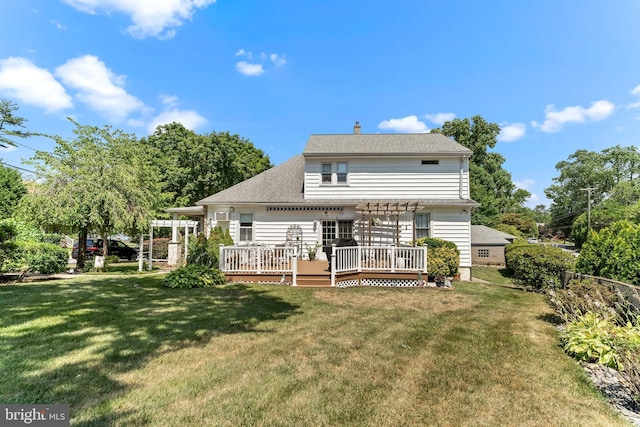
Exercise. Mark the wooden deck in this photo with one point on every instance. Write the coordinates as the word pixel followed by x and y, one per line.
pixel 316 274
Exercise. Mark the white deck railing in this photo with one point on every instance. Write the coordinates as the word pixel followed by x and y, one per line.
pixel 263 260
pixel 257 259
pixel 379 258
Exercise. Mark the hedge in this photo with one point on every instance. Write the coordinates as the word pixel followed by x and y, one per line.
pixel 538 267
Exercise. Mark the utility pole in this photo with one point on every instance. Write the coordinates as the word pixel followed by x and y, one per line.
pixel 588 190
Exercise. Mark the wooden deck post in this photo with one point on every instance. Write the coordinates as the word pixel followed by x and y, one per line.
pixel 393 259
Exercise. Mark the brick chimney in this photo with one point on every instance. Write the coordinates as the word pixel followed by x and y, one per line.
pixel 356 128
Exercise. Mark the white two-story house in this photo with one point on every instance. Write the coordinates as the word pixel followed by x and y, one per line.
pixel 380 189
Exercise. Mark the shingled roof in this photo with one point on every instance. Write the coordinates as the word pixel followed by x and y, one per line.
pixel 280 184
pixel 285 183
pixel 383 144
pixel 482 235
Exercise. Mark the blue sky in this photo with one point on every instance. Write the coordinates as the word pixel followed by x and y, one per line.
pixel 558 76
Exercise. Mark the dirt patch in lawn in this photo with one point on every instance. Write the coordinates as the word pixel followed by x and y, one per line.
pixel 429 299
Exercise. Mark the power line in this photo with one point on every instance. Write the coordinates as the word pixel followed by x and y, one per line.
pixel 17 167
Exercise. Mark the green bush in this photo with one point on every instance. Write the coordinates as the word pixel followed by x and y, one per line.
pixel 433 243
pixel 613 252
pixel 7 241
pixel 595 337
pixel 194 276
pixel 538 267
pixel 38 257
pixel 443 257
pixel 583 296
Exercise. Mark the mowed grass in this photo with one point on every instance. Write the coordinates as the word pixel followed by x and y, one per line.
pixel 125 351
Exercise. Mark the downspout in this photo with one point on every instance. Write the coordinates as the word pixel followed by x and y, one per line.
pixel 461 189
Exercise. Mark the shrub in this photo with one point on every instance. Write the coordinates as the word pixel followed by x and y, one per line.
pixel 194 276
pixel 202 253
pixel 39 257
pixel 538 267
pixel 583 296
pixel 443 256
pixel 591 338
pixel 7 243
pixel 433 243
pixel 613 252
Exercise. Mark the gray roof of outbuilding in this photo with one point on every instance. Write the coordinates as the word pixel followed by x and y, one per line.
pixel 483 235
pixel 412 144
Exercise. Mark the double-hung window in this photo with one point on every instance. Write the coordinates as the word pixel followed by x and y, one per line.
pixel 326 173
pixel 423 225
pixel 335 173
pixel 246 227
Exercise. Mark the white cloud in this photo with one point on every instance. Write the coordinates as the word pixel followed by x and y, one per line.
pixel 150 18
pixel 635 91
pixel 554 120
pixel 8 148
pixel 409 124
pixel 524 184
pixel 257 66
pixel 249 69
pixel 99 87
pixel 21 79
pixel 189 119
pixel 512 132
pixel 59 25
pixel 440 118
pixel 278 60
pixel 170 101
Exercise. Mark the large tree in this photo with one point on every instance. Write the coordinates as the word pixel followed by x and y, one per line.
pixel 11 191
pixel 490 184
pixel 10 124
pixel 597 176
pixel 195 166
pixel 101 181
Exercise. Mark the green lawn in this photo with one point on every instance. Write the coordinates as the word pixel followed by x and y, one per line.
pixel 122 350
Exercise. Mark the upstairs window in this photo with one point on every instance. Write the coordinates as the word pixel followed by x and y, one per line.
pixel 335 173
pixel 326 173
pixel 342 173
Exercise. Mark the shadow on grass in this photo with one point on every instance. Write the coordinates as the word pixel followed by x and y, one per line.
pixel 65 342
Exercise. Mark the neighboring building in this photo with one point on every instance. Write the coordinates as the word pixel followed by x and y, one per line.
pixel 487 245
pixel 381 189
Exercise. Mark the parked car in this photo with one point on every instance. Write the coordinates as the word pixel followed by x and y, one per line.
pixel 116 247
pixel 532 240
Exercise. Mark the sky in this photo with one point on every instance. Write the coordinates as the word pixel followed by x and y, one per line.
pixel 557 76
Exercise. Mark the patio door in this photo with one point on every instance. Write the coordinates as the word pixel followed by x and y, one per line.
pixel 336 229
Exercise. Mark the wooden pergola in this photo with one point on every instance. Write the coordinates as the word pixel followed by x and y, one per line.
pixel 388 209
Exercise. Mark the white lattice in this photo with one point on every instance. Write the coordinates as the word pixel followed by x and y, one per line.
pixel 348 283
pixel 402 283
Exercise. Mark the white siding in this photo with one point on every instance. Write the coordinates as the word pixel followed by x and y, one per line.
pixel 454 225
pixel 389 178
pixel 270 228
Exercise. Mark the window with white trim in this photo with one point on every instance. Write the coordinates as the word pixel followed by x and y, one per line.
pixel 341 172
pixel 336 229
pixel 246 227
pixel 326 173
pixel 423 225
pixel 335 173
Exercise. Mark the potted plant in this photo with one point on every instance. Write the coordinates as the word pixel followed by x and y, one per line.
pixel 312 251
